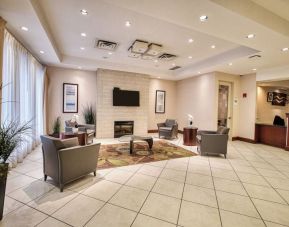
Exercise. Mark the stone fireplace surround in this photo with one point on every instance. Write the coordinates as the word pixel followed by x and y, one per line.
pixel 107 114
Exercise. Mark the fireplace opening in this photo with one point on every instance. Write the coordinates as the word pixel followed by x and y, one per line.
pixel 122 128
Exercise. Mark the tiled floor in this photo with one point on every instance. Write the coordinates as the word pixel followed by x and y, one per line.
pixel 249 189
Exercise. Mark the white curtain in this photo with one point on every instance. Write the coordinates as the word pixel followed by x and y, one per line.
pixel 22 93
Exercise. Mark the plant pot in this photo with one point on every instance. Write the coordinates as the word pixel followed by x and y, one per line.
pixel 3 179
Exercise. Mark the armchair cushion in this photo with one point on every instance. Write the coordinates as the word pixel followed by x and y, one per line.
pixel 170 122
pixel 165 128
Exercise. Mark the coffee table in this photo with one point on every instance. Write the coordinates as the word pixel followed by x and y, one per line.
pixel 131 139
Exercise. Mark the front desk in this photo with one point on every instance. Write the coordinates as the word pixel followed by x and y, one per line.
pixel 270 134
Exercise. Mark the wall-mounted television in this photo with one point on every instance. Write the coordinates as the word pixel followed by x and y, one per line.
pixel 125 98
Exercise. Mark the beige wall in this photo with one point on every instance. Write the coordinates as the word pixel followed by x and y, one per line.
pixel 86 81
pixel 265 110
pixel 170 104
pixel 196 96
pixel 247 113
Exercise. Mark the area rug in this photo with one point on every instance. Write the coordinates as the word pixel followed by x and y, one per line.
pixel 115 155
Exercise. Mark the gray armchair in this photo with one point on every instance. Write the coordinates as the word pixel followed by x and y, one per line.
pixel 213 142
pixel 65 161
pixel 168 129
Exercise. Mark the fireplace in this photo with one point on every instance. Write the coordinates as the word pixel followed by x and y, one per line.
pixel 122 128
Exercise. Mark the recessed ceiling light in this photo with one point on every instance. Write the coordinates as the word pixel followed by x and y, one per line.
pixel 83 34
pixel 199 72
pixel 127 24
pixel 285 49
pixel 79 67
pixel 250 36
pixel 82 48
pixel 174 64
pixel 110 53
pixel 41 52
pixel 156 61
pixel 24 28
pixel 190 57
pixel 213 46
pixel 230 63
pixel 254 69
pixel 84 12
pixel 159 77
pixel 203 18
pixel 190 40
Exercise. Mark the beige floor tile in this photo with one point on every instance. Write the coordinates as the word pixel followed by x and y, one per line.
pixel 38 173
pixel 174 175
pixel 197 215
pixel 12 174
pixel 82 183
pixel 200 195
pixel 145 221
pixel 226 174
pixel 271 173
pixel 51 222
pixel 79 210
pixel 230 219
pixel 31 191
pixel 112 216
pixel 200 169
pixel 23 217
pixel 118 176
pixel 284 194
pixel 162 207
pixel 199 180
pixel 263 192
pixel 270 224
pixel 226 166
pixel 130 198
pixel 52 200
pixel 273 212
pixel 278 183
pixel 142 181
pixel 246 169
pixel 18 182
pixel 102 190
pixel 262 165
pixel 158 163
pixel 236 203
pixel 10 205
pixel 229 186
pixel 131 168
pixel 150 170
pixel 168 187
pixel 177 165
pixel 27 166
pixel 252 179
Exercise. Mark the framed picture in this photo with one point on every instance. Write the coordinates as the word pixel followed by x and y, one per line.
pixel 160 101
pixel 269 96
pixel 279 99
pixel 70 98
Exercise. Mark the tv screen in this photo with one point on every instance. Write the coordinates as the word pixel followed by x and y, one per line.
pixel 125 98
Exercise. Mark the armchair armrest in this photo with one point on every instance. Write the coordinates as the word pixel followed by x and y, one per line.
pixel 202 132
pixel 71 142
pixel 161 125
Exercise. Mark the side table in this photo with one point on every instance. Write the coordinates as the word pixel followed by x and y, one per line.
pixel 189 136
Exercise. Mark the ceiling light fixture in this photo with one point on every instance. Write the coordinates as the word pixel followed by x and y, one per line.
pixel 127 24
pixel 213 46
pixel 190 57
pixel 41 52
pixel 250 36
pixel 285 49
pixel 254 69
pixel 79 67
pixel 230 64
pixel 199 72
pixel 174 64
pixel 159 77
pixel 110 53
pixel 83 34
pixel 190 40
pixel 24 28
pixel 82 48
pixel 203 18
pixel 84 12
pixel 156 61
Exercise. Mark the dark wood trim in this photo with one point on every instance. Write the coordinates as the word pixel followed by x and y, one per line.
pixel 243 139
pixel 64 95
pixel 153 131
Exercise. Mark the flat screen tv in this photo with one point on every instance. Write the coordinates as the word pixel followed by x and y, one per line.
pixel 125 98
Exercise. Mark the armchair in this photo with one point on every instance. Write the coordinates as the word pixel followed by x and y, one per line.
pixel 168 129
pixel 213 142
pixel 64 161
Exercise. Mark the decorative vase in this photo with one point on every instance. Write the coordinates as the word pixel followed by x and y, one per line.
pixel 3 179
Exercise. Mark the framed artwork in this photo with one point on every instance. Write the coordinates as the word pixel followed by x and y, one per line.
pixel 160 101
pixel 269 96
pixel 279 99
pixel 70 98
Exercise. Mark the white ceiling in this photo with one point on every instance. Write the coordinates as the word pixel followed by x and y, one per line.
pixel 55 27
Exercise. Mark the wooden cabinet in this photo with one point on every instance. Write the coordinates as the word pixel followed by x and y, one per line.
pixel 189 136
pixel 270 135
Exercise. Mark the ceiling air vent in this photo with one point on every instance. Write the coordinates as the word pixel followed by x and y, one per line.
pixel 139 47
pixel 175 68
pixel 106 45
pixel 255 56
pixel 167 57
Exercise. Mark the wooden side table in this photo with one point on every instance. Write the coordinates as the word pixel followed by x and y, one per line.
pixel 80 135
pixel 189 136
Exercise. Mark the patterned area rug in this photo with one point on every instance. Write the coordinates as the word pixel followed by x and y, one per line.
pixel 115 155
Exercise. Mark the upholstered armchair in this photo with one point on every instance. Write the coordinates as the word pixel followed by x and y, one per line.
pixel 213 142
pixel 65 161
pixel 168 129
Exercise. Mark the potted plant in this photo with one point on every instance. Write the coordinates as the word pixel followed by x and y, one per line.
pixel 89 115
pixel 11 136
pixel 56 128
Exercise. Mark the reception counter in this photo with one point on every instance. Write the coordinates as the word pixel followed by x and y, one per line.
pixel 271 135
